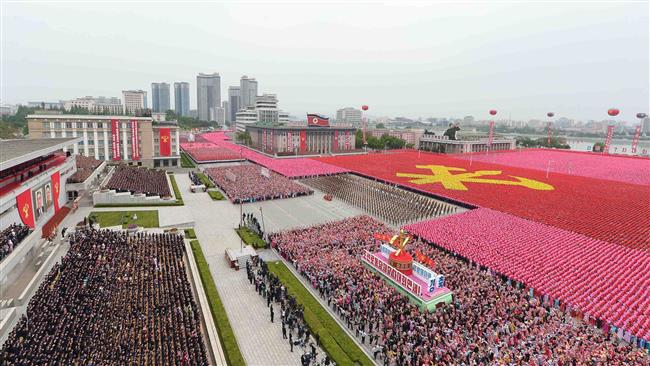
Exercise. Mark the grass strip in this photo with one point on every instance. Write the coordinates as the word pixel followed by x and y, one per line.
pixel 338 345
pixel 186 162
pixel 172 203
pixel 251 238
pixel 177 192
pixel 226 335
pixel 190 234
pixel 205 180
pixel 124 218
pixel 216 195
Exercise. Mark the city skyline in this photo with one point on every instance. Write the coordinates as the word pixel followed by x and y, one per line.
pixel 574 59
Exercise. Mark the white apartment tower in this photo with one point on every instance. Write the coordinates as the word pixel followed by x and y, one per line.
pixel 134 101
pixel 348 116
pixel 248 89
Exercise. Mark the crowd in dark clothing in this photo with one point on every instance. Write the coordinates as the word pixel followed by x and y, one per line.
pixel 250 221
pixel 489 322
pixel 151 182
pixel 85 167
pixel 114 299
pixel 294 327
pixel 11 236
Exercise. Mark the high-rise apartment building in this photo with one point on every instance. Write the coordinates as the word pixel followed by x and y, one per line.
pixel 134 101
pixel 248 88
pixel 234 98
pixel 265 111
pixel 645 126
pixel 182 98
pixel 221 115
pixel 208 94
pixel 348 116
pixel 226 108
pixel 160 97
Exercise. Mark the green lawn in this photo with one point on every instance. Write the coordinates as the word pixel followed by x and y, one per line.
pixel 205 180
pixel 216 195
pixel 251 238
pixel 338 345
pixel 226 335
pixel 186 162
pixel 190 234
pixel 177 192
pixel 115 218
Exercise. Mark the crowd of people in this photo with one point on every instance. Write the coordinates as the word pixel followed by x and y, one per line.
pixel 206 151
pixel 294 327
pixel 390 203
pixel 151 182
pixel 85 167
pixel 247 183
pixel 114 299
pixel 489 321
pixel 10 237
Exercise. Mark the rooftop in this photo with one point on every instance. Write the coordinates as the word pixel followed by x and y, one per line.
pixel 303 127
pixel 86 116
pixel 14 152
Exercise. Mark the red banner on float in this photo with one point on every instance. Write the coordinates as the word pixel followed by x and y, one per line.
pixel 608 140
pixel 335 141
pixel 56 189
pixel 165 142
pixel 25 208
pixel 491 135
pixel 303 141
pixel 135 141
pixel 635 140
pixel 115 136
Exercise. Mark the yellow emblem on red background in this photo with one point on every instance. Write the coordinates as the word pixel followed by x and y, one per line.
pixel 443 175
pixel 26 210
pixel 165 139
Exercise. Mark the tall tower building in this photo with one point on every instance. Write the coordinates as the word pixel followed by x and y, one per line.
pixel 182 98
pixel 248 88
pixel 134 101
pixel 234 99
pixel 208 94
pixel 160 97
pixel 226 110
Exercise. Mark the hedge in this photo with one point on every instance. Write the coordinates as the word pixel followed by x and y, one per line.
pixel 216 195
pixel 334 340
pixel 251 238
pixel 205 180
pixel 190 234
pixel 226 335
pixel 186 162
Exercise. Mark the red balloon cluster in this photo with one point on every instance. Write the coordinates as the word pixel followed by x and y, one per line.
pixel 550 114
pixel 493 112
pixel 613 112
pixel 364 107
pixel 641 115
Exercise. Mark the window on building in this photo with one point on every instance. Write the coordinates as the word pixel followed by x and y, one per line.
pixel 165 162
pixel 80 125
pixel 58 134
pixel 100 125
pixel 46 124
pixel 156 163
pixel 91 142
pixel 174 162
pixel 68 125
pixel 57 124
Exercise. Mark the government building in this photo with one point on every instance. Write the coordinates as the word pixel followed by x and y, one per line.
pixel 464 144
pixel 280 140
pixel 132 140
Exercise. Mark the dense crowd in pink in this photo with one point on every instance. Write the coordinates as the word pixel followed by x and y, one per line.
pixel 604 280
pixel 618 168
pixel 291 168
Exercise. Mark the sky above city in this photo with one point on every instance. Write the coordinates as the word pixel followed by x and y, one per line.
pixel 413 59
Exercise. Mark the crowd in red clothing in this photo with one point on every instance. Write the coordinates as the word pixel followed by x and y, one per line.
pixel 151 182
pixel 489 321
pixel 114 299
pixel 245 183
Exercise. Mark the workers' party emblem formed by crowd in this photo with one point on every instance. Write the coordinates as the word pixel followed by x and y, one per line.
pixel 444 175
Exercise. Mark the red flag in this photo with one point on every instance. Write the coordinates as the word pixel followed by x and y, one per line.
pixel 303 141
pixel 165 142
pixel 25 208
pixel 316 120
pixel 115 135
pixel 56 189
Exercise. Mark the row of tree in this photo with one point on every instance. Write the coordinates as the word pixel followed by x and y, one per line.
pixel 556 142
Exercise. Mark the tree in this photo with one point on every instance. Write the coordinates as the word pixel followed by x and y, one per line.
pixel 244 137
pixel 598 147
pixel 380 125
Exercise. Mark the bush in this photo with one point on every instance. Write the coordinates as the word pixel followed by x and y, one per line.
pixel 251 238
pixel 338 345
pixel 226 335
pixel 186 161
pixel 190 234
pixel 216 195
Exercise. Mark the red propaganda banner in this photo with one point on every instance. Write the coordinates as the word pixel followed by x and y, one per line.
pixel 548 140
pixel 491 136
pixel 347 140
pixel 25 208
pixel 165 142
pixel 135 141
pixel 635 140
pixel 335 141
pixel 608 139
pixel 264 140
pixel 271 141
pixel 56 189
pixel 115 136
pixel 289 142
pixel 317 121
pixel 303 141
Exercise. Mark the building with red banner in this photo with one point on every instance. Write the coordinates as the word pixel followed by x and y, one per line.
pixel 33 180
pixel 127 139
pixel 315 139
